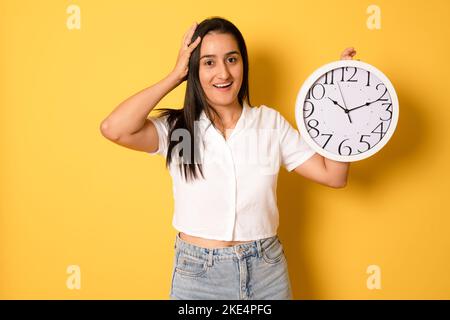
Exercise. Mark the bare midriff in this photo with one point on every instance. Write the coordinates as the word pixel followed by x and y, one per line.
pixel 208 243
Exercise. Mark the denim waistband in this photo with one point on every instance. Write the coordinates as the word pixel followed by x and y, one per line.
pixel 240 250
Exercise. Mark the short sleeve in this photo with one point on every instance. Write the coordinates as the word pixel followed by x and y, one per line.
pixel 294 150
pixel 163 132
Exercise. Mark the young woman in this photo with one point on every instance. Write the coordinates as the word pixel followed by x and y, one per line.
pixel 224 157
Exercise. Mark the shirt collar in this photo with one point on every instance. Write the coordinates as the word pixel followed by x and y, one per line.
pixel 241 120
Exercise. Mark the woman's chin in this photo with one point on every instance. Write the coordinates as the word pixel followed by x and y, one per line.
pixel 222 102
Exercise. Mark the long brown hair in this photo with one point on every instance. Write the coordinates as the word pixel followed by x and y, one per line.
pixel 195 101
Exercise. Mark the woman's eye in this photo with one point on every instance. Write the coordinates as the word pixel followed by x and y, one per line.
pixel 209 62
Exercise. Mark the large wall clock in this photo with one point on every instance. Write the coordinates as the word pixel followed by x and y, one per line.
pixel 347 110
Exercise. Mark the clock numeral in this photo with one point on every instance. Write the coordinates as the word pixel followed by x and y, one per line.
pixel 305 109
pixel 381 132
pixel 388 109
pixel 329 138
pixel 351 78
pixel 313 93
pixel 385 91
pixel 329 74
pixel 368 144
pixel 313 127
pixel 368 79
pixel 308 95
pixel 340 148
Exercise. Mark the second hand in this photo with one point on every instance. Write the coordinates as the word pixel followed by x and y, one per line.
pixel 345 105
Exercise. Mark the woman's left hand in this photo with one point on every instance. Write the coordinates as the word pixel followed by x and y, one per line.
pixel 348 53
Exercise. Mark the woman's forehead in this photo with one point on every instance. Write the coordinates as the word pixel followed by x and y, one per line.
pixel 218 44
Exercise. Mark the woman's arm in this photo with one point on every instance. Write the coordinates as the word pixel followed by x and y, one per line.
pixel 323 170
pixel 131 114
pixel 128 124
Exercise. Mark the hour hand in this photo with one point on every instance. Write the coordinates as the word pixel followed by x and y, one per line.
pixel 336 103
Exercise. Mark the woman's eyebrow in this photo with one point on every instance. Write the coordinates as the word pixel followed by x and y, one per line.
pixel 213 55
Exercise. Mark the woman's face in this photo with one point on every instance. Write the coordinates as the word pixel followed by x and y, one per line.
pixel 220 63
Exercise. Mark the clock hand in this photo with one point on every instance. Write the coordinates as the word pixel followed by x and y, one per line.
pixel 366 104
pixel 335 102
pixel 345 105
pixel 363 105
pixel 345 110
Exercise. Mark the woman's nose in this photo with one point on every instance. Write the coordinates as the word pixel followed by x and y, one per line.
pixel 223 72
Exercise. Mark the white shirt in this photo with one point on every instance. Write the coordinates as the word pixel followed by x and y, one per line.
pixel 237 200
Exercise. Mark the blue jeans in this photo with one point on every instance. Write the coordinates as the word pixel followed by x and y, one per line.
pixel 254 270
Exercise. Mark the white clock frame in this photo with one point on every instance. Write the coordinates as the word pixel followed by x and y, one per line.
pixel 316 75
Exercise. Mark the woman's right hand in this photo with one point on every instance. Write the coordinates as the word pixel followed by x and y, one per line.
pixel 181 68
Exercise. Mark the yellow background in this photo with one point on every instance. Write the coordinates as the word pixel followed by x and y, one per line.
pixel 71 197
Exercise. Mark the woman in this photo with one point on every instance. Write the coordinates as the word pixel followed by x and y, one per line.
pixel 225 203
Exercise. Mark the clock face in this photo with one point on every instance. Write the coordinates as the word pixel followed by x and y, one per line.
pixel 347 110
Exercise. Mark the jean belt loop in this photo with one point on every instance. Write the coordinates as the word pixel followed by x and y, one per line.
pixel 177 237
pixel 258 246
pixel 210 257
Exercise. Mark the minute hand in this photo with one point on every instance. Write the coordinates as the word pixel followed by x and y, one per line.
pixel 363 105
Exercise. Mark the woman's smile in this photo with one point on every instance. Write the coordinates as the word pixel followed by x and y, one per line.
pixel 223 87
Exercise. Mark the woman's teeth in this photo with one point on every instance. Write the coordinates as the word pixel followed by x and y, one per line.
pixel 222 86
